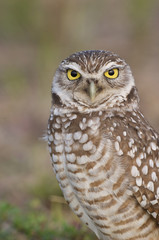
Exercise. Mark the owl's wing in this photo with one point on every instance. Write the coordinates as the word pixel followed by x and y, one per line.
pixel 145 170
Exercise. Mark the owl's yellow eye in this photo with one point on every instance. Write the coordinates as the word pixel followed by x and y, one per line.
pixel 73 74
pixel 112 73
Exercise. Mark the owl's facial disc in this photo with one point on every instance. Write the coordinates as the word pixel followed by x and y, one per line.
pixel 95 88
pixel 92 79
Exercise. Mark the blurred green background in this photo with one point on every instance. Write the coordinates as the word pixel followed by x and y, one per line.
pixel 34 37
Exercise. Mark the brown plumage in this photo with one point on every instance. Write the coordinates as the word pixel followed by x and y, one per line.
pixel 104 153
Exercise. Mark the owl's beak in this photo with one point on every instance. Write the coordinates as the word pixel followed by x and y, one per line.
pixel 92 91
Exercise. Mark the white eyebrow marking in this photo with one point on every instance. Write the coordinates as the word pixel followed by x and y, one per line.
pixel 73 66
pixel 108 65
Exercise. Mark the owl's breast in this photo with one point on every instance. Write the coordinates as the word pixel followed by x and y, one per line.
pixel 91 178
pixel 76 145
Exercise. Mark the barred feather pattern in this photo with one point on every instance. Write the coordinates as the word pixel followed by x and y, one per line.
pixel 100 170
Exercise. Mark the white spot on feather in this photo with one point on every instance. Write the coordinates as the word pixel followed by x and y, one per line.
pixel 68 136
pixel 90 122
pixel 153 146
pixel 64 119
pixel 77 135
pixel 141 156
pixel 120 152
pixel 82 126
pixel 145 170
pixel 55 158
pixel 88 146
pixel 135 171
pixel 73 116
pixel 51 138
pixel 133 120
pixel 66 125
pixel 131 154
pixel 71 157
pixel 68 149
pixel 139 134
pixel 84 120
pixel 131 142
pixel 112 129
pixel 118 138
pixel 138 181
pixel 58 136
pixel 124 133
pixel 84 138
pixel 157 163
pixel 149 150
pixel 150 186
pixel 154 214
pixel 154 177
pixel 153 202
pixel 151 163
pixel 138 161
pixel 136 189
pixel 82 160
pixel 100 113
pixel 117 147
pixel 114 124
pixel 143 203
pixel 59 148
pixel 58 120
pixel 56 125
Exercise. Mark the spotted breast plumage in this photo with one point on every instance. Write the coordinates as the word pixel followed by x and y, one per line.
pixel 105 154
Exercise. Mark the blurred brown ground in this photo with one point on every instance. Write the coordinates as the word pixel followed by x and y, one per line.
pixel 34 37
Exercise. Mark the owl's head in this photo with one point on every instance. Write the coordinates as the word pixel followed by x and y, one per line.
pixel 92 80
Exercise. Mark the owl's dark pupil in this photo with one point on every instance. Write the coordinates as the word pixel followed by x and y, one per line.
pixel 74 73
pixel 111 72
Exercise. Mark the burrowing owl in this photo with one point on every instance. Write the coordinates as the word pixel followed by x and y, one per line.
pixel 104 153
